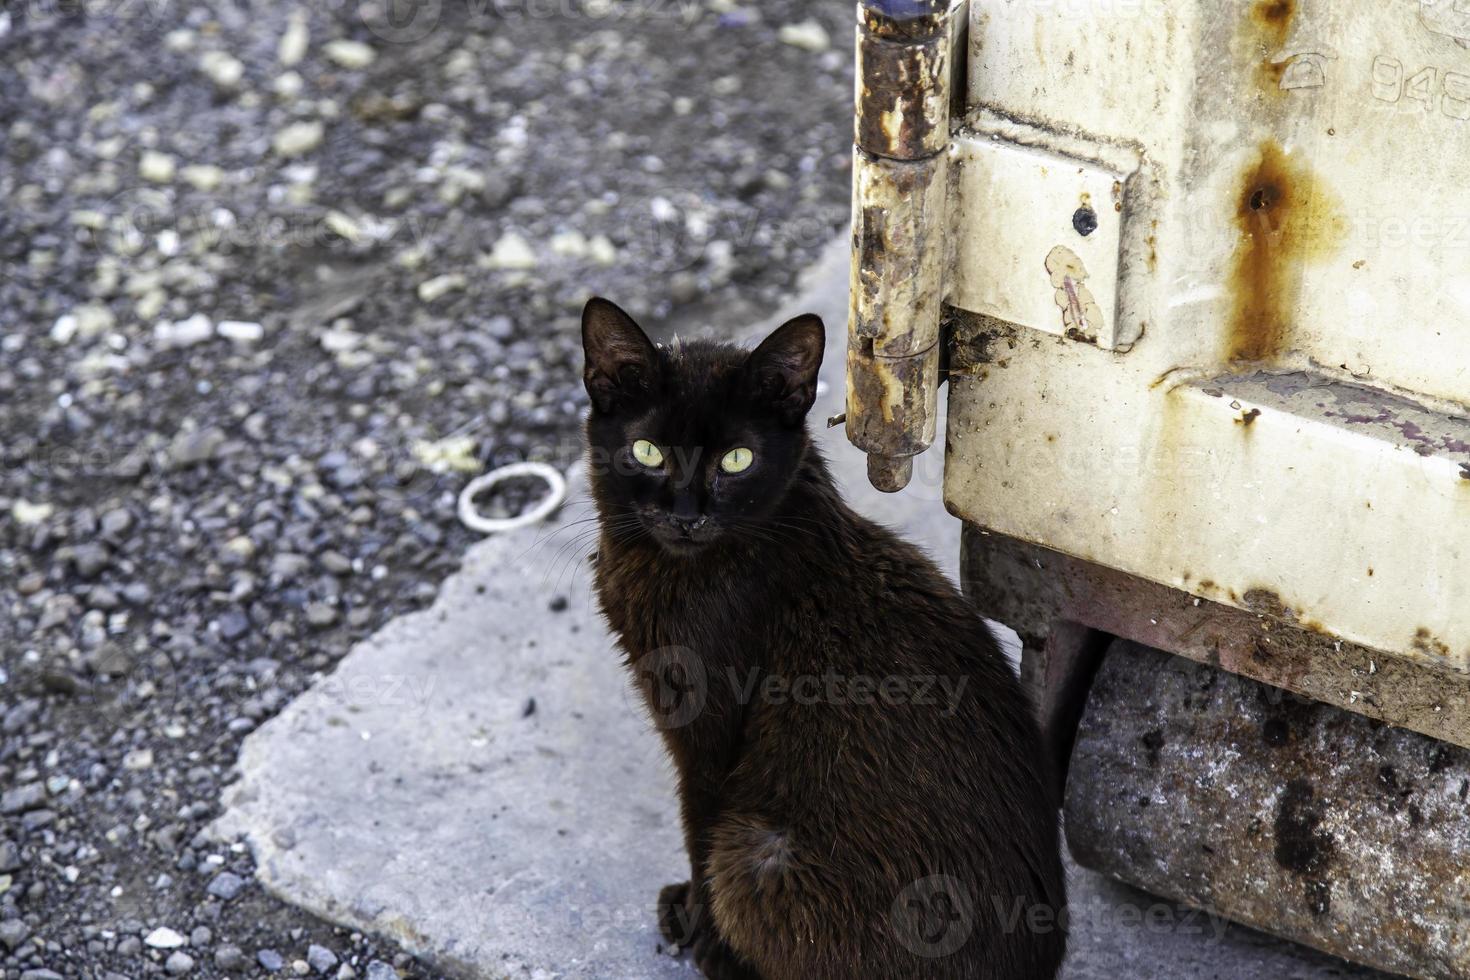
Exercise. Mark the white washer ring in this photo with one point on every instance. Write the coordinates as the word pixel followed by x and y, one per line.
pixel 475 521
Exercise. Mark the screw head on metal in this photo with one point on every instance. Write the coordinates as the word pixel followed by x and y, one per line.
pixel 1084 220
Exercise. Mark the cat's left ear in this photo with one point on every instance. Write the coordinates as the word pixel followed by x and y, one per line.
pixel 621 362
pixel 784 367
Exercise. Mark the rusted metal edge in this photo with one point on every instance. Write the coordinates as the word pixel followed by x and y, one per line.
pixel 904 20
pixel 903 95
pixel 1031 589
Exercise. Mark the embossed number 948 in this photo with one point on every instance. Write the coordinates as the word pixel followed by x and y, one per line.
pixel 1449 91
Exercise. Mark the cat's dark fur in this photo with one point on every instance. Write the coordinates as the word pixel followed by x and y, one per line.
pixel 831 836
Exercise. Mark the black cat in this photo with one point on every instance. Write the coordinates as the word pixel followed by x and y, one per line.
pixel 861 781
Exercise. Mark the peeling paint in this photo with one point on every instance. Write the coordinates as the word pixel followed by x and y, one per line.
pixel 1082 318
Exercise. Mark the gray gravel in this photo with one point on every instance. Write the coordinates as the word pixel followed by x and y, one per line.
pixel 276 281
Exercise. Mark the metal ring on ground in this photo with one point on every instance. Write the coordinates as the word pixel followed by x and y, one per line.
pixel 556 492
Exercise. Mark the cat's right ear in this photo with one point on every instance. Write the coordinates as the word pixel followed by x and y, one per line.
pixel 621 362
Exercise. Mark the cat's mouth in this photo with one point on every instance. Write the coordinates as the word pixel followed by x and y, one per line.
pixel 680 535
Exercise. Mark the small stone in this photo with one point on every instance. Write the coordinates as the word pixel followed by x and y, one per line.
pixel 226 885
pixel 229 958
pixel 270 960
pixel 155 166
pixel 138 759
pixel 240 331
pixel 336 563
pixel 37 819
pixel 93 320
pixel 222 68
pixel 116 522
pixel 183 333
pixel 569 244
pixel 64 329
pixel 288 85
pixel 298 139
pixel 378 970
pixel 200 936
pixel 344 226
pixel 178 963
pixel 292 47
pixel 30 583
pixel 807 35
pixel 9 856
pixel 320 959
pixel 90 559
pixel 287 565
pixel 337 340
pixel 321 615
pixel 196 446
pixel 27 514
pixel 501 327
pixel 41 975
pixel 601 250
pixel 13 932
pixel 511 251
pixel 353 55
pixel 164 938
pixel 433 289
pixel 22 798
pixel 233 625
pixel 203 177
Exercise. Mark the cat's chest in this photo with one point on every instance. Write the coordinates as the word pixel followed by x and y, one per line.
pixel 650 606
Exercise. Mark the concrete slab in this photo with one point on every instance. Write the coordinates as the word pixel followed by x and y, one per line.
pixel 472 782
pixel 478 782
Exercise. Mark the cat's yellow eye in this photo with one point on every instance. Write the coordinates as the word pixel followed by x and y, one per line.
pixel 648 454
pixel 737 460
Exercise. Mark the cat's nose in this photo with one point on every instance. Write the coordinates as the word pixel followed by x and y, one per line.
pixel 686 525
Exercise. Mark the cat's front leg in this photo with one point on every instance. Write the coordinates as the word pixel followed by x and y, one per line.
pixel 684 921
pixel 717 961
pixel 681 918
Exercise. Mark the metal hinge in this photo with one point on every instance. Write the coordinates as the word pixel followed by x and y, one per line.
pixel 906 62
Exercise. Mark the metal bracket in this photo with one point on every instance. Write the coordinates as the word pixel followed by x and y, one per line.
pixel 899 208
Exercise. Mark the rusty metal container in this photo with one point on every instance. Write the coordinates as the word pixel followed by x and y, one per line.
pixel 1197 274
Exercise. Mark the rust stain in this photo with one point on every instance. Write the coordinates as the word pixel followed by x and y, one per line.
pixel 1271 22
pixel 1249 418
pixel 1430 645
pixel 1274 18
pixel 1286 218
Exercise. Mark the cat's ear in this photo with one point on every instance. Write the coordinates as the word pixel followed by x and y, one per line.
pixel 621 362
pixel 783 369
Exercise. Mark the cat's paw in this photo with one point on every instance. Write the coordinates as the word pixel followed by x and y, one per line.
pixel 718 961
pixel 679 919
